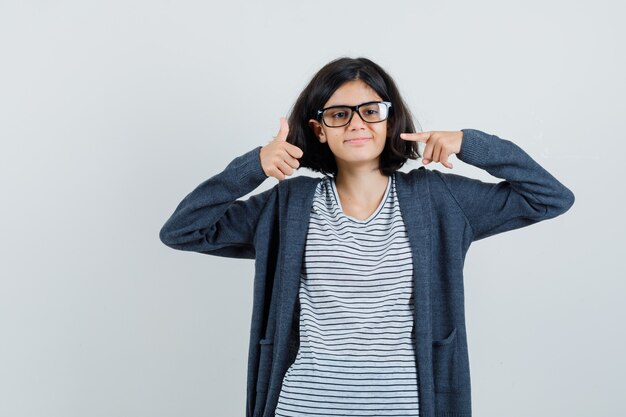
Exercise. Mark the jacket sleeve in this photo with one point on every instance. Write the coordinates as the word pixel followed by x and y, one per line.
pixel 211 219
pixel 527 195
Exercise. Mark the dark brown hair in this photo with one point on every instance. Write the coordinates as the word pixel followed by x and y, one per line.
pixel 318 156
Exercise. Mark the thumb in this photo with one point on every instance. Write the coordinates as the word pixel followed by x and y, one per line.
pixel 284 130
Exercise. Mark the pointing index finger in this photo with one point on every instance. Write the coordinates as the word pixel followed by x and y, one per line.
pixel 416 137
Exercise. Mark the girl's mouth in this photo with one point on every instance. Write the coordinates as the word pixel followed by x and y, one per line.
pixel 357 141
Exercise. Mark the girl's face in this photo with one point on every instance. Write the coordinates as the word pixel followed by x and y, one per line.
pixel 373 135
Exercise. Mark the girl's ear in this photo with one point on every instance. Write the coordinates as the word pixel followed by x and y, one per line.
pixel 317 129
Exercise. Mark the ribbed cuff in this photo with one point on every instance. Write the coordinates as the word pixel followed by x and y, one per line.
pixel 249 165
pixel 474 147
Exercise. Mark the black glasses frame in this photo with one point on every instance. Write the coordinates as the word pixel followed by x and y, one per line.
pixel 354 109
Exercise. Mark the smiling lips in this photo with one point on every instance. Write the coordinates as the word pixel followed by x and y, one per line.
pixel 357 141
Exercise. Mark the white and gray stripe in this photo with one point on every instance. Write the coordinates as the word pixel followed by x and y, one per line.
pixel 356 352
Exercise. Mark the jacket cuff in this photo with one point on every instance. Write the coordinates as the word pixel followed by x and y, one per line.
pixel 474 147
pixel 249 165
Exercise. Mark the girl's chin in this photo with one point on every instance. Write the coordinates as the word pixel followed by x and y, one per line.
pixel 343 160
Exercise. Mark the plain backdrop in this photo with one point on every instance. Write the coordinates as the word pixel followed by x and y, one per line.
pixel 112 111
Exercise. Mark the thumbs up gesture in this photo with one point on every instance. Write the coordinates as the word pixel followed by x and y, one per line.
pixel 279 158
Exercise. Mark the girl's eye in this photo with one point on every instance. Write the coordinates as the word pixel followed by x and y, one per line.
pixel 339 115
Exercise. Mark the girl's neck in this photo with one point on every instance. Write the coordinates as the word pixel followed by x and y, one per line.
pixel 361 185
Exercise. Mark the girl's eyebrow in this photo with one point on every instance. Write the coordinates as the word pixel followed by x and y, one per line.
pixel 348 105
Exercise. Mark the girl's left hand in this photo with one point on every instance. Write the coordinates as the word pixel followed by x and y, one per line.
pixel 439 145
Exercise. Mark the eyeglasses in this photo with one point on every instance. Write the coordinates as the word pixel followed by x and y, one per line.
pixel 370 112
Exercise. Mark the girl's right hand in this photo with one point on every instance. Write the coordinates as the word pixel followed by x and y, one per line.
pixel 279 158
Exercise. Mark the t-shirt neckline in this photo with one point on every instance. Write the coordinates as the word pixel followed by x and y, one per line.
pixel 373 215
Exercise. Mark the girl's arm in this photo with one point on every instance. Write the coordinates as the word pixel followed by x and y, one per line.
pixel 527 195
pixel 211 220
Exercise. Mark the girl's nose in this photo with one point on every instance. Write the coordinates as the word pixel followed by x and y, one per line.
pixel 356 122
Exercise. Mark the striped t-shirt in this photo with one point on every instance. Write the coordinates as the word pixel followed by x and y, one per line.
pixel 356 353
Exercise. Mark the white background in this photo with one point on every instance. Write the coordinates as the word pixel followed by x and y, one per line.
pixel 112 111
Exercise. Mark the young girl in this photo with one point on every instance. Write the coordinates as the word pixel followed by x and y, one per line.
pixel 358 294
